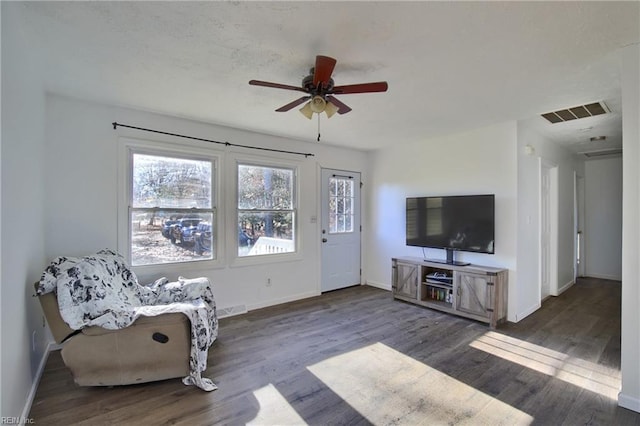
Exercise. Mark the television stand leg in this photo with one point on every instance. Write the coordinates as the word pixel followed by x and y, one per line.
pixel 450 257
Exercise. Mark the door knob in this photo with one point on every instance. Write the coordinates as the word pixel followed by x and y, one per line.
pixel 324 240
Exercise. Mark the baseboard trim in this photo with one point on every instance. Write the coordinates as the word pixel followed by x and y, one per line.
pixel 604 277
pixel 36 380
pixel 565 287
pixel 629 402
pixel 379 285
pixel 283 300
pixel 522 315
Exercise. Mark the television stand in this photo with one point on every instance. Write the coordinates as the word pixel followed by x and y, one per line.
pixel 472 291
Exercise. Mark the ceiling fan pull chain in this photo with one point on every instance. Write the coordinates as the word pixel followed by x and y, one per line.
pixel 318 127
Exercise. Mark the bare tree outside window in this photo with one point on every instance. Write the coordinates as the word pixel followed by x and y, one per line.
pixel 266 210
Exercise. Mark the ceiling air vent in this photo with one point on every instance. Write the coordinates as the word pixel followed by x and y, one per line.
pixel 602 152
pixel 574 113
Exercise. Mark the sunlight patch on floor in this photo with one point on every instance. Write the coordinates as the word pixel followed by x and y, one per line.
pixel 587 375
pixel 274 409
pixel 388 387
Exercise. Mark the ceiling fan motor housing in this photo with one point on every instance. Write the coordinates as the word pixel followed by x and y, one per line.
pixel 307 83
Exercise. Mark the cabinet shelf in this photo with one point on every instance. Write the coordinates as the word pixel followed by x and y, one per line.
pixel 476 292
pixel 438 305
pixel 437 293
pixel 439 284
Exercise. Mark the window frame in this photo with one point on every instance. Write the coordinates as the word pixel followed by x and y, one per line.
pixel 296 254
pixel 130 147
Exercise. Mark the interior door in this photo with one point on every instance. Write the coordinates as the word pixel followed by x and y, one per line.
pixel 580 258
pixel 340 220
pixel 545 232
pixel 548 229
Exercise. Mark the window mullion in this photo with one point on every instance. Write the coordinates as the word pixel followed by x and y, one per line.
pixel 171 209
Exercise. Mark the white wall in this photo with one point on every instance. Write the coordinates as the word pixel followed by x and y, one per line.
pixel 529 216
pixel 22 248
pixel 82 194
pixel 629 396
pixel 482 161
pixel 603 218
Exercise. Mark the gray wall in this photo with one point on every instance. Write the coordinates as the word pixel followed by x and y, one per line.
pixel 603 218
pixel 22 248
pixel 629 396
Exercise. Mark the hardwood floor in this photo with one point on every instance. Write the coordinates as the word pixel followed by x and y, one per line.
pixel 356 356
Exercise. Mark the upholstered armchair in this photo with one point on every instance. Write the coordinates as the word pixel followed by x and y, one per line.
pixel 152 348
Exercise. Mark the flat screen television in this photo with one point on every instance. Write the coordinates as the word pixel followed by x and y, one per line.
pixel 454 223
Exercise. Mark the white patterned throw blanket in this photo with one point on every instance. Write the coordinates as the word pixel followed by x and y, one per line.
pixel 101 290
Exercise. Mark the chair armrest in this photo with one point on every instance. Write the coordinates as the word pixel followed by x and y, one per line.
pixel 59 329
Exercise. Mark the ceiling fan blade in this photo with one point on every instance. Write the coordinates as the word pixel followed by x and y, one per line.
pixel 293 104
pixel 323 70
pixel 276 85
pixel 342 108
pixel 380 86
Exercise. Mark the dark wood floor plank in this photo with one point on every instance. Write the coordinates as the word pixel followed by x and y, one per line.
pixel 356 356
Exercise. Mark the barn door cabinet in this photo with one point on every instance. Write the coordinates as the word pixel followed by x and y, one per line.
pixel 405 279
pixel 472 291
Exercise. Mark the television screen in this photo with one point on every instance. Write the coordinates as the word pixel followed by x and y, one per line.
pixel 464 222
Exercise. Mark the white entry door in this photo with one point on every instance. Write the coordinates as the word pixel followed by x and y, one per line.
pixel 340 220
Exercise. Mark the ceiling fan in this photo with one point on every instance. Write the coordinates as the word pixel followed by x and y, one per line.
pixel 320 90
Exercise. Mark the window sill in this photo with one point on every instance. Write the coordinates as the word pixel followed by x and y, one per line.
pixel 239 262
pixel 149 273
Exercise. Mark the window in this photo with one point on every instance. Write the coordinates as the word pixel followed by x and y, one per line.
pixel 266 210
pixel 171 209
pixel 341 199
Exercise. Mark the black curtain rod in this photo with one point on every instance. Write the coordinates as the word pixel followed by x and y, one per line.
pixel 116 125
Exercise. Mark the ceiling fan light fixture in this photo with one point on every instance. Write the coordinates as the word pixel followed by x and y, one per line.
pixel 330 109
pixel 306 110
pixel 318 104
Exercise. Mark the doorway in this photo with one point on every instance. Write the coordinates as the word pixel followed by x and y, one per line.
pixel 340 228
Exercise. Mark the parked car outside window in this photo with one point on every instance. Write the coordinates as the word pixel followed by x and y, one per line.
pixel 202 238
pixel 183 231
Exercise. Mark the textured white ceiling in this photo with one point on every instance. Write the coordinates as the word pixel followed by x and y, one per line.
pixel 450 66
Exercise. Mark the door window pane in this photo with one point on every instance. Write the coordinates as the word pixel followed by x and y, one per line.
pixel 341 199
